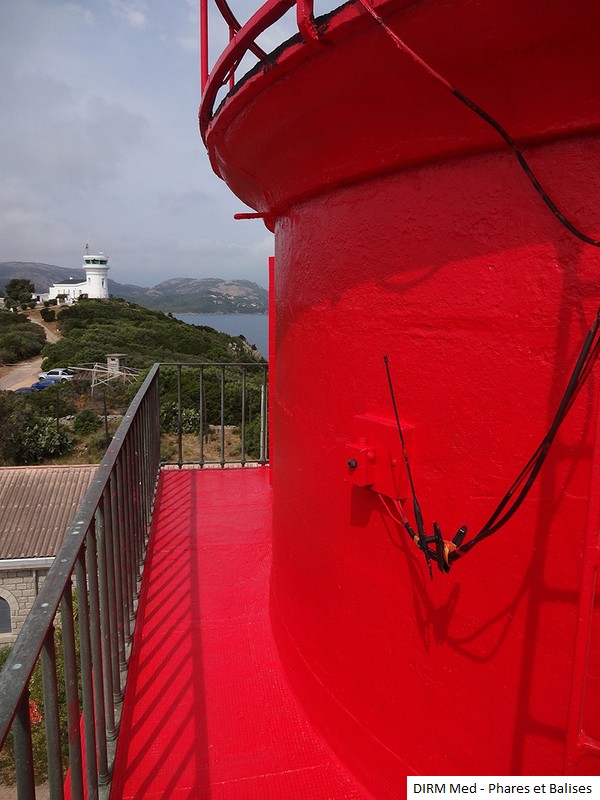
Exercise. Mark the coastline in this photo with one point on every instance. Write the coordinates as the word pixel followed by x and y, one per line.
pixel 218 313
pixel 253 327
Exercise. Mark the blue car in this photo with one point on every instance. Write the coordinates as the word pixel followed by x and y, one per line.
pixel 42 384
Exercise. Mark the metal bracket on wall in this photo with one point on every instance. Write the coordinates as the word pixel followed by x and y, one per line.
pixel 374 457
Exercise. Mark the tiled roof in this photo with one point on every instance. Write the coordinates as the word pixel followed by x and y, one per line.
pixel 37 505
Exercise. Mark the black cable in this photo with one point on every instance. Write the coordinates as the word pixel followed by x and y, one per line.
pixel 421 536
pixel 444 552
pixel 526 478
pixel 487 118
pixel 527 169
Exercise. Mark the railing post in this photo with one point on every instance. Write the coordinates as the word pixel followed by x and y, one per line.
pixel 203 44
pixel 99 667
pixel 232 33
pixel 127 557
pixel 118 565
pixel 138 504
pixel 202 403
pixel 244 415
pixel 87 693
pixel 51 717
pixel 23 750
pixel 222 415
pixel 107 622
pixel 72 694
pixel 179 418
pixel 263 418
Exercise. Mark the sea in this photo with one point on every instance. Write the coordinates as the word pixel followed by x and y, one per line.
pixel 255 327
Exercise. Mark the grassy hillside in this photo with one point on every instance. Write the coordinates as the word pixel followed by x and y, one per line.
pixel 93 328
pixel 68 424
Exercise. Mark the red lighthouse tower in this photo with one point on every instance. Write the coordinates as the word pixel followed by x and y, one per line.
pixel 432 175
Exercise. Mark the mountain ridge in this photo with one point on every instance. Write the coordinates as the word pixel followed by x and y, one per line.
pixel 175 295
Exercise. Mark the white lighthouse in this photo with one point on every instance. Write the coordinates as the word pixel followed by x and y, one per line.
pixel 96 274
pixel 95 284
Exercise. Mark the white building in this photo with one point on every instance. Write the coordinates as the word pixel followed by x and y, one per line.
pixel 95 284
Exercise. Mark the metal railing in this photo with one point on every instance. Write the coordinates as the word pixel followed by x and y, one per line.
pixel 242 40
pixel 220 410
pixel 220 413
pixel 103 553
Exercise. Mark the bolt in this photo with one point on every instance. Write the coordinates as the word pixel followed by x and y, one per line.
pixel 353 463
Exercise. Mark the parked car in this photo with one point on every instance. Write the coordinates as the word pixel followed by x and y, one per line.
pixel 25 390
pixel 43 383
pixel 61 374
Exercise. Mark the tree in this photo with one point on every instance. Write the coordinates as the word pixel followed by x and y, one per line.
pixel 18 290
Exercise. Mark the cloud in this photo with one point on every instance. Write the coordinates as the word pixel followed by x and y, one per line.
pixel 134 12
pixel 189 44
pixel 100 143
pixel 62 137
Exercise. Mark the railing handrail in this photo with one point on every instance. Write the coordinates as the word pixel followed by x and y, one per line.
pixel 217 364
pixel 241 41
pixel 22 658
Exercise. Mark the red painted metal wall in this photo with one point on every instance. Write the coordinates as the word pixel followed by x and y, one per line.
pixel 403 227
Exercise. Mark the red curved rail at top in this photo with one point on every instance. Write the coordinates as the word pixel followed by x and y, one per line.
pixel 234 25
pixel 243 40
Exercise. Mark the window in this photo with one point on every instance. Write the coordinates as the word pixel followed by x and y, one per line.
pixel 5 626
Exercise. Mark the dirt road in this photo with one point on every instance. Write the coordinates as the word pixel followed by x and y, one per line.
pixel 25 373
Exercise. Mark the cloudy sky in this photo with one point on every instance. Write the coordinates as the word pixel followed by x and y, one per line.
pixel 99 143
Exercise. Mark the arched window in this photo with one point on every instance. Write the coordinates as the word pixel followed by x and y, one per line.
pixel 5 626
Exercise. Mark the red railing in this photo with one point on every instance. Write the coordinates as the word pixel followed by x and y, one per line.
pixel 242 40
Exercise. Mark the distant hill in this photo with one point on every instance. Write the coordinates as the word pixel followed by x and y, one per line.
pixel 177 295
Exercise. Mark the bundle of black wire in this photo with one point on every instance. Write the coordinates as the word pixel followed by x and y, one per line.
pixel 443 553
pixel 524 481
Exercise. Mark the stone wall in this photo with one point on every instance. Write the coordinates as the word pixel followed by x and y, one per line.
pixel 19 588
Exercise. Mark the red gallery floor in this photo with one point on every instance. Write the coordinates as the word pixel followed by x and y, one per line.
pixel 208 712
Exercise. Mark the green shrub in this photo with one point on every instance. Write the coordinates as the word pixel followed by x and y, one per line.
pixel 96 327
pixel 19 338
pixel 59 400
pixel 87 421
pixel 190 419
pixel 97 445
pixel 48 314
pixel 252 433
pixel 15 415
pixel 42 440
